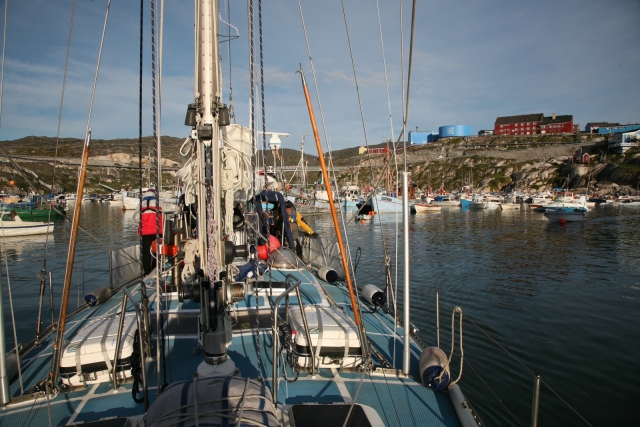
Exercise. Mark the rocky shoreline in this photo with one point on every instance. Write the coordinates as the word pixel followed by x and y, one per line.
pixel 485 163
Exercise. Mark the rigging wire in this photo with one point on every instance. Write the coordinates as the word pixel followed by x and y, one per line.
pixel 324 129
pixel 140 172
pixel 527 368
pixel 156 102
pixel 264 126
pixel 4 46
pixel 55 163
pixel 232 113
pixel 13 319
pixel 494 394
pixel 4 244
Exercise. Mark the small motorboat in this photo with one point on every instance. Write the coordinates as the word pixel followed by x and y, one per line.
pixel 445 201
pixel 478 202
pixel 12 225
pixel 567 214
pixel 426 207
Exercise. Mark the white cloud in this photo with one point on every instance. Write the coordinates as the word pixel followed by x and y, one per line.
pixel 473 61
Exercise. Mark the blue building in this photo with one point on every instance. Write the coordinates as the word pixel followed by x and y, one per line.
pixel 618 129
pixel 451 131
pixel 419 137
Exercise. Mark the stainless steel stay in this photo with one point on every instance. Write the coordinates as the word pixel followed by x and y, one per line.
pixel 296 283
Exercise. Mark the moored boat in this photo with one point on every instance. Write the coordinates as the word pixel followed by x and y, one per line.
pixel 566 214
pixel 446 201
pixel 12 225
pixel 426 207
pixel 250 332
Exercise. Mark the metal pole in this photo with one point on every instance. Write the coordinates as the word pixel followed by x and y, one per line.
pixel 57 346
pixel 118 345
pixel 407 318
pixel 5 393
pixel 141 349
pixel 438 319
pixel 536 401
pixel 50 297
pixel 306 331
pixel 43 276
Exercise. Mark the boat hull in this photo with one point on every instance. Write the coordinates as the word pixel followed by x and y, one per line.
pixel 424 207
pixel 25 229
pixel 566 215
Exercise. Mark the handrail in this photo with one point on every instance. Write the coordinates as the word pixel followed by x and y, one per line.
pixel 119 337
pixel 140 342
pixel 296 283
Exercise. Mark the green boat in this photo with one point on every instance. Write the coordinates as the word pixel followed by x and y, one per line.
pixel 31 213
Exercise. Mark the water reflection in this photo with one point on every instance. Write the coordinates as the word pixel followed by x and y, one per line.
pixel 559 297
pixel 563 299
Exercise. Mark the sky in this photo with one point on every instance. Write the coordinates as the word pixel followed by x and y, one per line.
pixel 473 61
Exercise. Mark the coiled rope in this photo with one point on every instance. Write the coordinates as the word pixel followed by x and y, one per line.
pixel 136 371
pixel 288 347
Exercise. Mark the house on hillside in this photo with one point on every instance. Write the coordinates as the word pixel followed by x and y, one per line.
pixel 525 124
pixel 582 157
pixel 624 141
pixel 557 124
pixel 592 127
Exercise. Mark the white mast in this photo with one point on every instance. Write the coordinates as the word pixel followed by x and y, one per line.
pixel 215 325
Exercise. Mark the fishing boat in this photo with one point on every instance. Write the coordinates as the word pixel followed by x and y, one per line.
pixel 130 199
pixel 252 334
pixel 12 225
pixel 387 203
pixel 567 203
pixel 478 201
pixel 350 194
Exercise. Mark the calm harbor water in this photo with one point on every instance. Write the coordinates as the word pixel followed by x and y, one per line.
pixel 563 301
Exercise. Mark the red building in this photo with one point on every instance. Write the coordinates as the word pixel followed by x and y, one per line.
pixel 526 124
pixel 582 159
pixel 557 124
pixel 533 124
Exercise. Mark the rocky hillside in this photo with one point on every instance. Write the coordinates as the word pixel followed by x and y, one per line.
pixel 485 163
pixel 501 164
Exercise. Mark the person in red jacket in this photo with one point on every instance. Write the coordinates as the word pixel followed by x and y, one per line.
pixel 146 217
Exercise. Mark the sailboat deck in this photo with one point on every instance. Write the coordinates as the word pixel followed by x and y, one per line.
pixel 398 400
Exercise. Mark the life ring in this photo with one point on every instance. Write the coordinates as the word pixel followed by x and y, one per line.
pixel 167 250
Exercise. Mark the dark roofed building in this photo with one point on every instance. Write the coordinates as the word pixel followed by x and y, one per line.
pixel 525 124
pixel 557 124
pixel 593 127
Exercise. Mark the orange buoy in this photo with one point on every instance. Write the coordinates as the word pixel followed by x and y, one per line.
pixel 362 221
pixel 12 183
pixel 563 221
pixel 274 245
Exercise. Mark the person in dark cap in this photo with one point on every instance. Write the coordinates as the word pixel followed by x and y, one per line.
pixel 297 222
pixel 145 215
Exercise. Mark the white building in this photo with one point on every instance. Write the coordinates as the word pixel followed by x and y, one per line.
pixel 621 142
